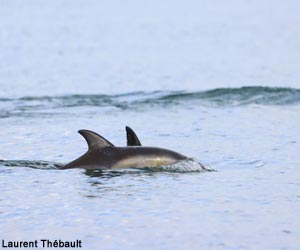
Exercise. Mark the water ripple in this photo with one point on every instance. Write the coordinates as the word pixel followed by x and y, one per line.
pixel 30 164
pixel 189 165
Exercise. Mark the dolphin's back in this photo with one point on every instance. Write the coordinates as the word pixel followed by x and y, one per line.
pixel 145 157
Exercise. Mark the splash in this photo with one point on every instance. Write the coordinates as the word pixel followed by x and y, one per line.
pixel 184 166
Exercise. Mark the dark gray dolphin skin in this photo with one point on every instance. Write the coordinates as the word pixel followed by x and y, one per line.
pixel 132 139
pixel 102 154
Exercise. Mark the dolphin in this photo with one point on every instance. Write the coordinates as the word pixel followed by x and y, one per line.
pixel 102 154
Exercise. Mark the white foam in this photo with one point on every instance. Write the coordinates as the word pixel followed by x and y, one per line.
pixel 189 165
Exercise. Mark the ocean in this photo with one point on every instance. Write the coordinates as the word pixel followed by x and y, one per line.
pixel 216 81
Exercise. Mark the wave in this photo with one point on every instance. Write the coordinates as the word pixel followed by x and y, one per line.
pixel 221 97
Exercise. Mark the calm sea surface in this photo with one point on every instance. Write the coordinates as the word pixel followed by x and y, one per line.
pixel 218 82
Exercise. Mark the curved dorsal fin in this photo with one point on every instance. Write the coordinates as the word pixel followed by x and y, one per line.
pixel 94 140
pixel 132 139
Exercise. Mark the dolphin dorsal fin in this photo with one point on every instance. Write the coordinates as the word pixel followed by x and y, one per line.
pixel 94 140
pixel 132 139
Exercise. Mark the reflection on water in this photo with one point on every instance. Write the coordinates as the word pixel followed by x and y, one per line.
pixel 110 173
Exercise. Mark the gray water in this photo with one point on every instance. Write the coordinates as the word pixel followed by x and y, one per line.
pixel 216 81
